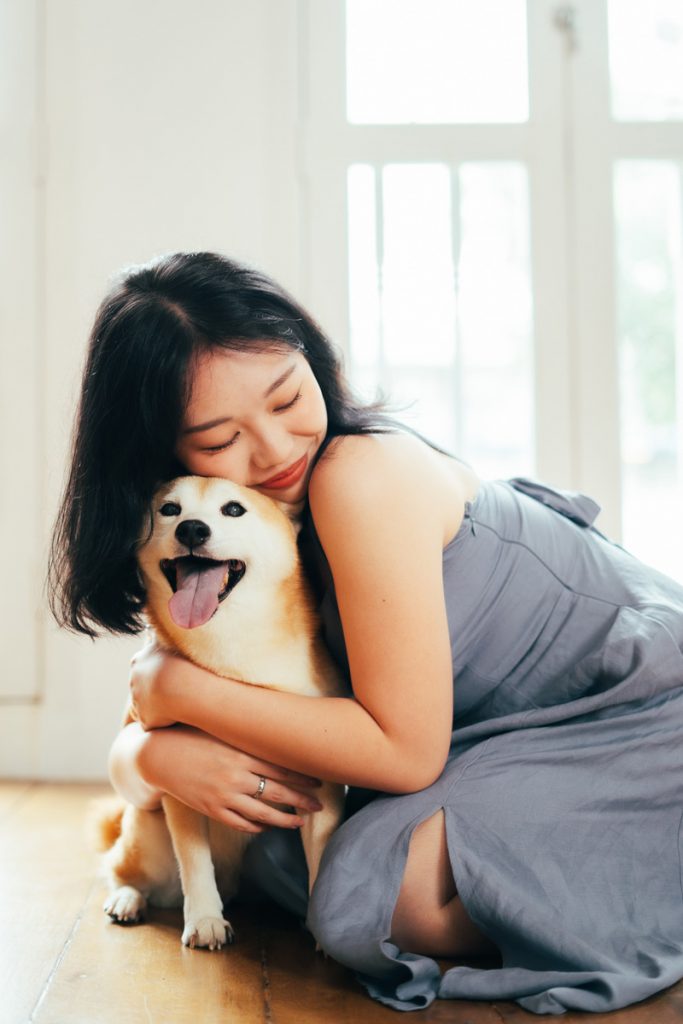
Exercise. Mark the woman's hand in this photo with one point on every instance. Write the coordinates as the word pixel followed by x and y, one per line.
pixel 220 781
pixel 149 670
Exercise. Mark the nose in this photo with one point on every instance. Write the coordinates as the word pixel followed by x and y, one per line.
pixel 272 449
pixel 192 532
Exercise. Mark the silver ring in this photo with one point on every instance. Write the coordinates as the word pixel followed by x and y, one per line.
pixel 261 786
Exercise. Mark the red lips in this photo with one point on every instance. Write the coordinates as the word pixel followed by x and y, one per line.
pixel 288 477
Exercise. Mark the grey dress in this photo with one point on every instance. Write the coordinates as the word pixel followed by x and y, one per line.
pixel 563 789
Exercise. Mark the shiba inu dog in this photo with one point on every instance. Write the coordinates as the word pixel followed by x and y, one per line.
pixel 226 589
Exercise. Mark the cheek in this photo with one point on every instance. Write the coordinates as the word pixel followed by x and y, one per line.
pixel 228 465
pixel 223 464
pixel 317 411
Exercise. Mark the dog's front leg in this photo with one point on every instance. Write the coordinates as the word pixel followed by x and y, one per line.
pixel 319 826
pixel 202 906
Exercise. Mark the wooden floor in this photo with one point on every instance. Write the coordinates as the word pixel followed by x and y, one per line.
pixel 63 962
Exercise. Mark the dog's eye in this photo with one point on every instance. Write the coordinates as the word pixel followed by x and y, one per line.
pixel 233 508
pixel 170 508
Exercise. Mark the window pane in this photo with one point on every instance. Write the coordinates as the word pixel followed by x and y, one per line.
pixel 436 61
pixel 496 318
pixel 646 59
pixel 417 266
pixel 364 313
pixel 649 223
pixel 441 304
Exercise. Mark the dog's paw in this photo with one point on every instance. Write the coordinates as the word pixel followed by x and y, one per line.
pixel 208 933
pixel 125 905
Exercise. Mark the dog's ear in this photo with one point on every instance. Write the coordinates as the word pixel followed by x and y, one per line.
pixel 294 512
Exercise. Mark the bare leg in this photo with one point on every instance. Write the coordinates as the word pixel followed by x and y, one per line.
pixel 429 917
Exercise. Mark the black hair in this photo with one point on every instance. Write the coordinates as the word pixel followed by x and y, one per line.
pixel 156 321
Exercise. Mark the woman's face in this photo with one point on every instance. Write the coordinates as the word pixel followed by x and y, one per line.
pixel 251 417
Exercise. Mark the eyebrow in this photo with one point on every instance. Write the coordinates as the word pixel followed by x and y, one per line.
pixel 224 419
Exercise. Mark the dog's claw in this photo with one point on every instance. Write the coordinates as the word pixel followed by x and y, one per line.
pixel 126 905
pixel 208 933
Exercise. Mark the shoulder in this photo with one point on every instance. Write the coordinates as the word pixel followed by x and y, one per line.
pixel 392 478
pixel 370 462
pixel 359 452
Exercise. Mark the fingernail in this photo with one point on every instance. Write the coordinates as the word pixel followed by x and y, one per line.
pixel 315 805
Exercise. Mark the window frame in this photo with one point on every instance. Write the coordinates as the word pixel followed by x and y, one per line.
pixel 568 146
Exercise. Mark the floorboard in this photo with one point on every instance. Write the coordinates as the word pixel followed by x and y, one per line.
pixel 63 962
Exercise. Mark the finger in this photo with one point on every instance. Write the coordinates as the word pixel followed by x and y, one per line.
pixel 277 793
pixel 264 814
pixel 237 821
pixel 276 771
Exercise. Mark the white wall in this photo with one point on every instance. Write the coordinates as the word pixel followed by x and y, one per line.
pixel 160 125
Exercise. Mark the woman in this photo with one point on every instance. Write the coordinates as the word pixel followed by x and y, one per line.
pixel 537 817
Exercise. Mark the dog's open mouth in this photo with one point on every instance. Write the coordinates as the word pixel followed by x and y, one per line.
pixel 198 585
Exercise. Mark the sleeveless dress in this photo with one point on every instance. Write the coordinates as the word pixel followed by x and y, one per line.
pixel 563 789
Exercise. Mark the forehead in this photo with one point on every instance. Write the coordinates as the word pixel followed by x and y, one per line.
pixel 194 489
pixel 206 493
pixel 223 381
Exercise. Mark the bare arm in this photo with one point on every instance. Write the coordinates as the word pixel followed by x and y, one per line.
pixel 334 738
pixel 384 542
pixel 124 768
pixel 211 776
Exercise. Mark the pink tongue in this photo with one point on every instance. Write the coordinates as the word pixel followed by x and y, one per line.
pixel 196 596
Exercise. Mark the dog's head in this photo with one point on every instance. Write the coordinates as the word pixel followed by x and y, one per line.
pixel 208 536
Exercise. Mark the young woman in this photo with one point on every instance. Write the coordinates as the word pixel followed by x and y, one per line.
pixel 516 700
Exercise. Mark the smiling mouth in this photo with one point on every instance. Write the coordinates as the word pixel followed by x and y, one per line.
pixel 282 478
pixel 199 585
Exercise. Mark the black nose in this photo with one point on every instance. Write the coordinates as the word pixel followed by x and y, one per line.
pixel 192 532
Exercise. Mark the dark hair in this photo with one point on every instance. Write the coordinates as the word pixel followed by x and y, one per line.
pixel 155 322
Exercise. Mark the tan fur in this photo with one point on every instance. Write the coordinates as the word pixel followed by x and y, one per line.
pixel 298 615
pixel 130 864
pixel 103 822
pixel 265 632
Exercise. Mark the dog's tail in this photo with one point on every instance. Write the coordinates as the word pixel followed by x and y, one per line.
pixel 103 822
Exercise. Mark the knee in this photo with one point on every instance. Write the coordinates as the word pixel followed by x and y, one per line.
pixel 321 920
pixel 348 912
pixel 337 919
pixel 347 940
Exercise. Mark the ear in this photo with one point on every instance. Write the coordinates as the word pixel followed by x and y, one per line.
pixel 293 512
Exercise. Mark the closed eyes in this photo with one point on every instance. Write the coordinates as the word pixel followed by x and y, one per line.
pixel 228 444
pixel 281 408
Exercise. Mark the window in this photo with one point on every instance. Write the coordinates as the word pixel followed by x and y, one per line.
pixel 495 232
pixel 451 330
pixel 436 61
